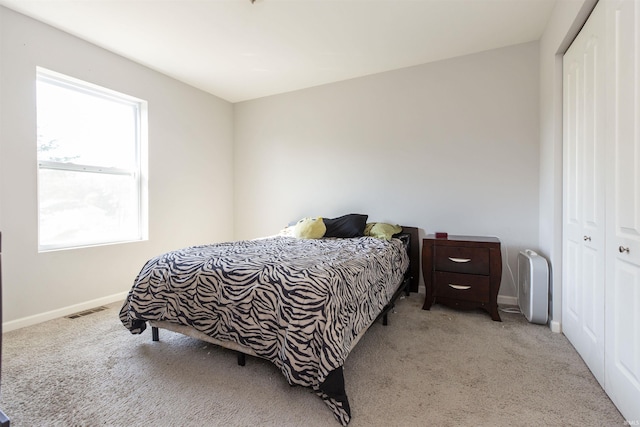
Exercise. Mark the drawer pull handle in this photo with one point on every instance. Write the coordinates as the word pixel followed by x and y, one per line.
pixel 460 259
pixel 622 249
pixel 460 287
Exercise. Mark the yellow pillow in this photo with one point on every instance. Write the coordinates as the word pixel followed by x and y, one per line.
pixel 382 230
pixel 368 227
pixel 309 228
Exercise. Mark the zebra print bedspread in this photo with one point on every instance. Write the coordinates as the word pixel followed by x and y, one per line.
pixel 299 303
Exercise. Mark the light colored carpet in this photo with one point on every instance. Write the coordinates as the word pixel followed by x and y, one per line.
pixel 438 367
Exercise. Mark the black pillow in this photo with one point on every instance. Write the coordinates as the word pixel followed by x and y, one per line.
pixel 351 225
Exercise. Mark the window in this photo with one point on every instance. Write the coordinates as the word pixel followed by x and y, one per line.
pixel 91 143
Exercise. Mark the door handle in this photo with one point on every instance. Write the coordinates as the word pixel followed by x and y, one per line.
pixel 460 259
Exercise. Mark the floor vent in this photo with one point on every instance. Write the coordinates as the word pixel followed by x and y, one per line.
pixel 85 313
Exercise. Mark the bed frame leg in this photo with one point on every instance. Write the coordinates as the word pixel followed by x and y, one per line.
pixel 241 359
pixel 385 320
pixel 155 335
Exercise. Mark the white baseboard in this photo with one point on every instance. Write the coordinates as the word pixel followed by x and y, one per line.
pixel 61 312
pixel 506 300
pixel 55 314
pixel 555 326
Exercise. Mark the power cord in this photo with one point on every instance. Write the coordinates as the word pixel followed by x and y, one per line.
pixel 515 310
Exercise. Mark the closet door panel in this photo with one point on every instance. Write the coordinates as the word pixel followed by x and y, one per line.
pixel 584 191
pixel 572 151
pixel 592 298
pixel 572 308
pixel 593 193
pixel 622 347
pixel 572 242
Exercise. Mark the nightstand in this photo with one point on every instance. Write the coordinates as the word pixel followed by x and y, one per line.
pixel 462 272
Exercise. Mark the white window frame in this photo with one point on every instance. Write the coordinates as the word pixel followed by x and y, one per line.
pixel 138 171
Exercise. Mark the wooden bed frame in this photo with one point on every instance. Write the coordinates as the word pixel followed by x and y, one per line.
pixel 410 283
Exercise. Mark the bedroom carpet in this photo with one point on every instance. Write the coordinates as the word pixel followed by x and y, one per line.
pixel 438 367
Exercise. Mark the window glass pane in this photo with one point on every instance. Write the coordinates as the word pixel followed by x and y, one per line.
pixel 76 126
pixel 90 151
pixel 80 208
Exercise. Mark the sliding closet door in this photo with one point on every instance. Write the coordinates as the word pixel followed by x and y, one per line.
pixel 584 191
pixel 622 347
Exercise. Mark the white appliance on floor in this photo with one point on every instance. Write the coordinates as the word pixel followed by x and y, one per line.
pixel 533 286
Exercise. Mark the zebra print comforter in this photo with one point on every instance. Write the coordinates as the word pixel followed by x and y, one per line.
pixel 302 304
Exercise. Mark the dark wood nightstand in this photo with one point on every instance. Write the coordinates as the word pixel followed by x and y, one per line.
pixel 462 272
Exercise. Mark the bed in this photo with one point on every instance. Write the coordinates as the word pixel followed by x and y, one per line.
pixel 301 303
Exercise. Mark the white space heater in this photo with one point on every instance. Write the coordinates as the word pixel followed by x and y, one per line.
pixel 533 286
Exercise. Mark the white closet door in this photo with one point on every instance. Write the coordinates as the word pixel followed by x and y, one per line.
pixel 622 347
pixel 584 192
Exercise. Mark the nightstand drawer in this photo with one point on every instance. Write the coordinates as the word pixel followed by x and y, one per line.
pixel 468 287
pixel 462 260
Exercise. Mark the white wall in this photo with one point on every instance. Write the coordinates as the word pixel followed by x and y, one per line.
pixel 447 146
pixel 190 172
pixel 565 22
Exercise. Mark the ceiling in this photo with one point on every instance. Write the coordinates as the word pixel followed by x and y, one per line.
pixel 239 50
